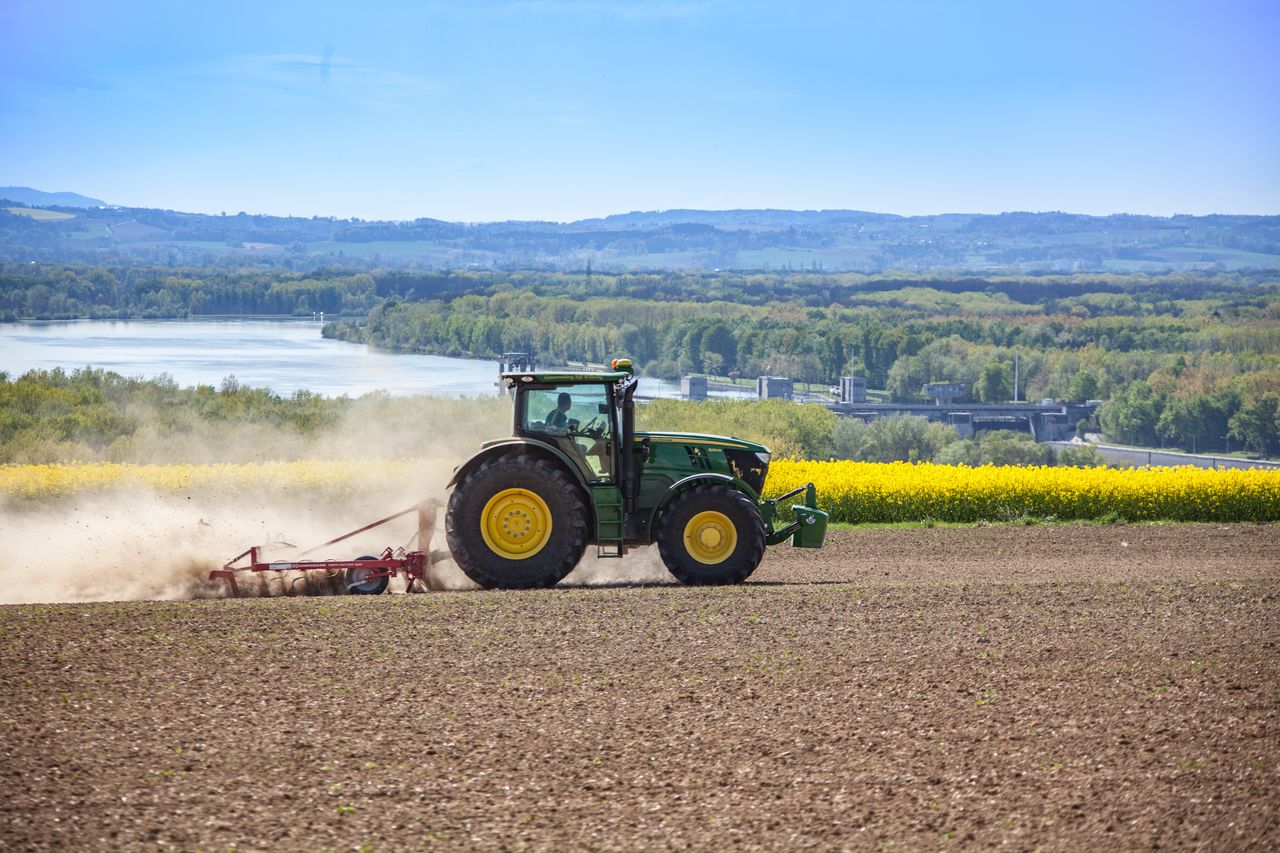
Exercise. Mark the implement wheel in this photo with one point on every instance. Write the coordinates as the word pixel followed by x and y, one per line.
pixel 711 535
pixel 359 582
pixel 517 522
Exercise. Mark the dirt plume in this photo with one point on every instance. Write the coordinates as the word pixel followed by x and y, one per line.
pixel 139 543
pixel 373 426
pixel 639 566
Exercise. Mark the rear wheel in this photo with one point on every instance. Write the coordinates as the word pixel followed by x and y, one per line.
pixel 517 522
pixel 711 535
pixel 359 581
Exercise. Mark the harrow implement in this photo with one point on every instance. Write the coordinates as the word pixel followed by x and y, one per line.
pixel 366 575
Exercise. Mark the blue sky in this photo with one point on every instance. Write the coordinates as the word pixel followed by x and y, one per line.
pixel 566 109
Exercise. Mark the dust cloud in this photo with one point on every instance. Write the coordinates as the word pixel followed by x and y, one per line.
pixel 640 566
pixel 374 426
pixel 140 544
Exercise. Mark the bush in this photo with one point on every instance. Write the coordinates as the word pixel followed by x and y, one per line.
pixel 786 428
pixel 900 438
pixel 1002 447
pixel 963 452
pixel 1005 447
pixel 1080 456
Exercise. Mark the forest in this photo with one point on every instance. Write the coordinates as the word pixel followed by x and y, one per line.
pixel 1186 360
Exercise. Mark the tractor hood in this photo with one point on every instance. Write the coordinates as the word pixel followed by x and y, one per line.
pixel 702 439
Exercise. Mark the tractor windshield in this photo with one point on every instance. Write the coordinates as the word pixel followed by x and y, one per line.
pixel 578 419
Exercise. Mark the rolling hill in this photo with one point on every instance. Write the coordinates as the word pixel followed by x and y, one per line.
pixel 773 240
pixel 39 198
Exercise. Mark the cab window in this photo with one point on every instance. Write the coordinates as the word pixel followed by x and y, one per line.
pixel 577 419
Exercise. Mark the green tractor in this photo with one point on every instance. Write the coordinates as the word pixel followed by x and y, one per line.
pixel 576 473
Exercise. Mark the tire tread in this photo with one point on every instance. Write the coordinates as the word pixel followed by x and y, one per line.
pixel 488 570
pixel 710 496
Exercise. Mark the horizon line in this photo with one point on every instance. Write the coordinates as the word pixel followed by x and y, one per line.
pixel 638 212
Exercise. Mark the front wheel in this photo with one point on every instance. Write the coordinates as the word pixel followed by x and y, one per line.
pixel 711 535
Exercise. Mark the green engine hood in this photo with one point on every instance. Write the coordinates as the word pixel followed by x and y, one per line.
pixel 700 439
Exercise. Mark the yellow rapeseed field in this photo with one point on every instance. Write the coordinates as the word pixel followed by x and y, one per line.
pixel 52 481
pixel 860 492
pixel 856 492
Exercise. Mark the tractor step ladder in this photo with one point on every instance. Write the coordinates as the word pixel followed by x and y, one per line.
pixel 609 526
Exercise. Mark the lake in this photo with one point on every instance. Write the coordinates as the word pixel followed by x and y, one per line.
pixel 283 355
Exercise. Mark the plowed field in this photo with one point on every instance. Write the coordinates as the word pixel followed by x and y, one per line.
pixel 1033 687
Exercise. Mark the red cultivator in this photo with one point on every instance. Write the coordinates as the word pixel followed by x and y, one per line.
pixel 368 575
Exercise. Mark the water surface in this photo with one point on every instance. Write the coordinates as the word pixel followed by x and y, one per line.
pixel 283 355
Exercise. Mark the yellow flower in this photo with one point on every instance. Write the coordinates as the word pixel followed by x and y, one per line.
pixel 873 492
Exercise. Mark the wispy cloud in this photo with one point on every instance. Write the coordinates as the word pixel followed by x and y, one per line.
pixel 627 11
pixel 283 78
pixel 302 72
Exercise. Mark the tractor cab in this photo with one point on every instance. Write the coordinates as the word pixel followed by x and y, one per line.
pixel 576 412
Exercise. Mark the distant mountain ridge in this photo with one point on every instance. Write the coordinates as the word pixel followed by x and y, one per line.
pixel 768 217
pixel 815 241
pixel 39 198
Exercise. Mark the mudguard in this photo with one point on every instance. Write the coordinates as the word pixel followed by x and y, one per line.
pixel 675 489
pixel 499 448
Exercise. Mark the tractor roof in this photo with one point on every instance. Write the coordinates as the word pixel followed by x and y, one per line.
pixel 563 377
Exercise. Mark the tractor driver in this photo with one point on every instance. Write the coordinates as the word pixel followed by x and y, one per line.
pixel 557 418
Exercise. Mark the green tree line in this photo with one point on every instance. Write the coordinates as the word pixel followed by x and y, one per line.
pixel 96 415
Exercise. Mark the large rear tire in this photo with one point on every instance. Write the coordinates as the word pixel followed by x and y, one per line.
pixel 517 522
pixel 711 535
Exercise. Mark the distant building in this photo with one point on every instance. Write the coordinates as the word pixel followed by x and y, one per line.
pixel 963 422
pixel 693 387
pixel 775 388
pixel 517 362
pixel 853 389
pixel 944 393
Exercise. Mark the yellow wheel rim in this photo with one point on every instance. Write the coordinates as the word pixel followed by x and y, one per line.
pixel 710 537
pixel 515 524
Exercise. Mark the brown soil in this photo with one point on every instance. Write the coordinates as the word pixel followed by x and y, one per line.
pixel 1033 687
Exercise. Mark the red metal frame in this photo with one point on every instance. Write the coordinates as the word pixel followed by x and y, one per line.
pixel 392 562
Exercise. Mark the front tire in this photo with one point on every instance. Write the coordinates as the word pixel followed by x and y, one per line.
pixel 711 535
pixel 517 522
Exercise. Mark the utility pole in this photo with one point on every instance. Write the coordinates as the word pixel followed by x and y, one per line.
pixel 1015 377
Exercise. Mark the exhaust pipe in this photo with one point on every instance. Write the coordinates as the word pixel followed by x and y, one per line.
pixel 630 478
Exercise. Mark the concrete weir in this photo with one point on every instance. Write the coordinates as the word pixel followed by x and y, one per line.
pixel 1044 421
